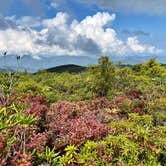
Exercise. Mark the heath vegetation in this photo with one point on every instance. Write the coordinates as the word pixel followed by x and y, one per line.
pixel 104 116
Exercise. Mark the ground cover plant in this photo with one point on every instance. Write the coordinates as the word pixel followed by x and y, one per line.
pixel 105 116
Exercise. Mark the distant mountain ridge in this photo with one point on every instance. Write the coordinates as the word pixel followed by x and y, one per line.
pixel 5 70
pixel 2 70
pixel 30 64
pixel 71 68
pixel 52 64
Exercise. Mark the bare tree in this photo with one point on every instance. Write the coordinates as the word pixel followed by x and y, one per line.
pixel 18 59
pixel 4 55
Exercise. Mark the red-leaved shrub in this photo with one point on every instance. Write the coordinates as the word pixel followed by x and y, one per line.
pixel 39 142
pixel 73 123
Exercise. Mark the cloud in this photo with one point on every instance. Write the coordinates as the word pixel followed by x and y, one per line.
pixel 62 36
pixel 135 33
pixel 59 4
pixel 54 5
pixel 16 41
pixel 135 46
pixel 152 7
pixel 29 21
pixel 6 23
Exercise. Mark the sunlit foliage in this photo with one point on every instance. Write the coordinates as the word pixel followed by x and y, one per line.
pixel 109 115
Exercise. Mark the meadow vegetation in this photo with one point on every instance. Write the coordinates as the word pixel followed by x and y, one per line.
pixel 105 116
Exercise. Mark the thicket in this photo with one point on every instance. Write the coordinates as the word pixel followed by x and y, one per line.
pixel 106 116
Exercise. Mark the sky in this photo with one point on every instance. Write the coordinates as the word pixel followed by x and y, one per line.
pixel 49 29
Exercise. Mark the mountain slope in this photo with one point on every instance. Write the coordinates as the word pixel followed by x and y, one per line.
pixel 71 68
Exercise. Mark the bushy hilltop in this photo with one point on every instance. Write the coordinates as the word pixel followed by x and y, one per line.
pixel 101 117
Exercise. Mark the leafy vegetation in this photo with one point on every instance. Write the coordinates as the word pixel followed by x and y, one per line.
pixel 105 116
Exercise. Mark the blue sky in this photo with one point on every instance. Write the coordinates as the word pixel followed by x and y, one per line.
pixel 52 28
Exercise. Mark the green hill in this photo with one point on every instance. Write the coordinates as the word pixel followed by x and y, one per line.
pixel 71 68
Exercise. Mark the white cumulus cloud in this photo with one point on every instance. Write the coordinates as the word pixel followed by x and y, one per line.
pixel 135 46
pixel 62 36
pixel 29 21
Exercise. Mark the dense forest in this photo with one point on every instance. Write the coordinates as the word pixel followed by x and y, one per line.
pixel 106 115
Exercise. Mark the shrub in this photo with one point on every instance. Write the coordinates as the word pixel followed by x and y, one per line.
pixel 101 76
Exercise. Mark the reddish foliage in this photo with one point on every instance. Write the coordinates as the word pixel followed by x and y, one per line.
pixel 3 162
pixel 66 122
pixel 101 154
pixel 79 130
pixel 2 144
pixel 37 110
pixel 120 99
pixel 135 94
pixel 101 150
pixel 39 100
pixel 21 160
pixel 154 148
pixel 19 131
pixel 7 100
pixel 72 164
pixel 4 100
pixel 99 103
pixel 38 107
pixel 27 99
pixel 139 111
pixel 39 142
pixel 73 123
